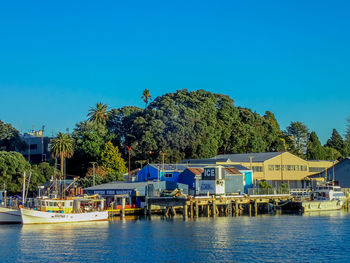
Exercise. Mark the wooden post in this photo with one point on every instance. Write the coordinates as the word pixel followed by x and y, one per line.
pixel 232 208
pixel 256 207
pixel 250 209
pixel 208 210
pixel 191 207
pixel 123 206
pixel 149 209
pixel 214 208
pixel 185 212
pixel 197 210
pixel 236 209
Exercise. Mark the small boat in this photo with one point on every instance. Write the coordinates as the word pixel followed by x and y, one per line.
pixel 325 197
pixel 72 210
pixel 8 213
pixel 10 216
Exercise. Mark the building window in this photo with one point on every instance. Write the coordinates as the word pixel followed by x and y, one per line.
pixel 257 168
pixel 316 169
pixel 168 175
pixel 271 167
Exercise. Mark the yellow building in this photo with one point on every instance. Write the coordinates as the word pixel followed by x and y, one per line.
pixel 276 167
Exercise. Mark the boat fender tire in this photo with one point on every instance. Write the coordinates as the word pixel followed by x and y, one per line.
pixel 59 204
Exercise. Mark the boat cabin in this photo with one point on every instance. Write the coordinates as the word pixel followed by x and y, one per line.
pixel 327 192
pixel 78 205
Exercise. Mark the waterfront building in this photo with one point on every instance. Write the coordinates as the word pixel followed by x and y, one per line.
pixel 136 192
pixel 339 172
pixel 162 172
pixel 190 172
pixel 276 167
pixel 37 147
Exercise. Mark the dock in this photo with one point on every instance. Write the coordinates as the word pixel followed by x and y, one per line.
pixel 213 206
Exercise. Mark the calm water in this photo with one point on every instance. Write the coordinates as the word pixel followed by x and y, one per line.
pixel 316 237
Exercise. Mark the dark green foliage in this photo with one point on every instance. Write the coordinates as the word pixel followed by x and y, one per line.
pixel 196 124
pixel 296 137
pixel 331 153
pixel 336 142
pixel 314 149
pixel 10 139
pixel 12 166
pixel 90 139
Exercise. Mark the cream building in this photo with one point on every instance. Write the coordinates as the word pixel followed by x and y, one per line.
pixel 276 167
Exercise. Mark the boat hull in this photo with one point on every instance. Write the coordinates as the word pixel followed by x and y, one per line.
pixel 10 216
pixel 40 217
pixel 328 205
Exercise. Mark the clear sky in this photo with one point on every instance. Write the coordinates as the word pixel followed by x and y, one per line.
pixel 58 58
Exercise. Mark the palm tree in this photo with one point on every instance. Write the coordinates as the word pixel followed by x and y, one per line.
pixel 146 96
pixel 62 147
pixel 99 114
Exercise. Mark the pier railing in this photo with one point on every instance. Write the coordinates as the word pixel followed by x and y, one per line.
pixel 268 191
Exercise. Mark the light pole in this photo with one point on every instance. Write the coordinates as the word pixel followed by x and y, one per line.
pixel 129 150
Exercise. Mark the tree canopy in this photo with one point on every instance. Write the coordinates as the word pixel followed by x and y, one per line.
pixel 10 139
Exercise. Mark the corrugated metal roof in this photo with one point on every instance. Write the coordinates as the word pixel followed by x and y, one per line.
pixel 196 171
pixel 204 161
pixel 232 170
pixel 169 167
pixel 245 157
pixel 118 185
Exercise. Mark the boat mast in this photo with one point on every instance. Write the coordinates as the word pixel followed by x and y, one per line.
pixel 23 187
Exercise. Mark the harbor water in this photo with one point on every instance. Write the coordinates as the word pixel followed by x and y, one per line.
pixel 313 237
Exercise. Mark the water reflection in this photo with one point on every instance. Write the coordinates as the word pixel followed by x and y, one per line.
pixel 281 238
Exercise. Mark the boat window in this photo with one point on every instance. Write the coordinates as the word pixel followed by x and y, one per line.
pixel 51 203
pixel 55 203
pixel 43 203
pixel 71 203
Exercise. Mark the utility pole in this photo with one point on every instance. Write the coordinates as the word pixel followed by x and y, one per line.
pixel 162 154
pixel 129 150
pixel 93 172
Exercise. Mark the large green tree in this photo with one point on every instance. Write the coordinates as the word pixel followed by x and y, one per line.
pixel 296 136
pixel 314 149
pixel 111 159
pixel 336 142
pixel 196 124
pixel 12 166
pixel 10 139
pixel 62 147
pixel 90 139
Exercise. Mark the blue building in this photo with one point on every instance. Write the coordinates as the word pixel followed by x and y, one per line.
pixel 166 172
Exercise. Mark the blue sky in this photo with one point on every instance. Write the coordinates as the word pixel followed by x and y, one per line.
pixel 59 58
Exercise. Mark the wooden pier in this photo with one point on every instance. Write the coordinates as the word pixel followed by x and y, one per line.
pixel 213 206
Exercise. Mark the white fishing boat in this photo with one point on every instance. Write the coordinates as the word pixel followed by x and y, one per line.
pixel 8 214
pixel 324 198
pixel 64 211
